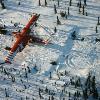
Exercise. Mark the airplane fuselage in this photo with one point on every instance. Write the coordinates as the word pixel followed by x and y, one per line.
pixel 22 39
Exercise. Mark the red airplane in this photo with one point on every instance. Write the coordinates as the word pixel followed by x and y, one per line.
pixel 22 39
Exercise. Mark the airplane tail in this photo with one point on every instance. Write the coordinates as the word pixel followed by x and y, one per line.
pixel 11 54
pixel 9 58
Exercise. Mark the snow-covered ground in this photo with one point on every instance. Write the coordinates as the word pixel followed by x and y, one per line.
pixel 76 57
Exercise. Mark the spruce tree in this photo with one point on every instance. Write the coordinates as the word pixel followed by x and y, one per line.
pixel 80 4
pixel 55 29
pixel 68 10
pixel 85 2
pixel 58 3
pixel 55 10
pixel 39 3
pixel 3 5
pixel 70 2
pixel 83 9
pixel 96 29
pixel 45 2
pixel 98 21
pixel 58 21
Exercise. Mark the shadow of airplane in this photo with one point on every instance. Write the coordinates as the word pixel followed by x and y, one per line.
pixel 65 50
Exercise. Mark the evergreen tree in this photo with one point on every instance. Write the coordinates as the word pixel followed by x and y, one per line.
pixel 93 84
pixel 96 29
pixel 50 75
pixel 73 35
pixel 65 15
pixel 29 71
pixel 18 3
pixel 85 95
pixel 69 94
pixel 52 98
pixel 85 2
pixel 49 98
pixel 95 94
pixel 77 83
pixel 94 89
pixel 6 93
pixel 45 3
pixel 83 9
pixel 39 3
pixel 13 78
pixel 55 10
pixel 79 10
pixel 80 4
pixel 70 2
pixel 86 14
pixel 55 29
pixel 21 98
pixel 39 91
pixel 88 81
pixel 58 3
pixel 46 90
pixel 3 5
pixel 58 21
pixel 68 10
pixel 98 21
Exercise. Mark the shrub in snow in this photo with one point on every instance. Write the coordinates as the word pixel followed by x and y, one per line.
pixel 7 48
pixel 2 29
pixel 62 14
pixel 82 39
